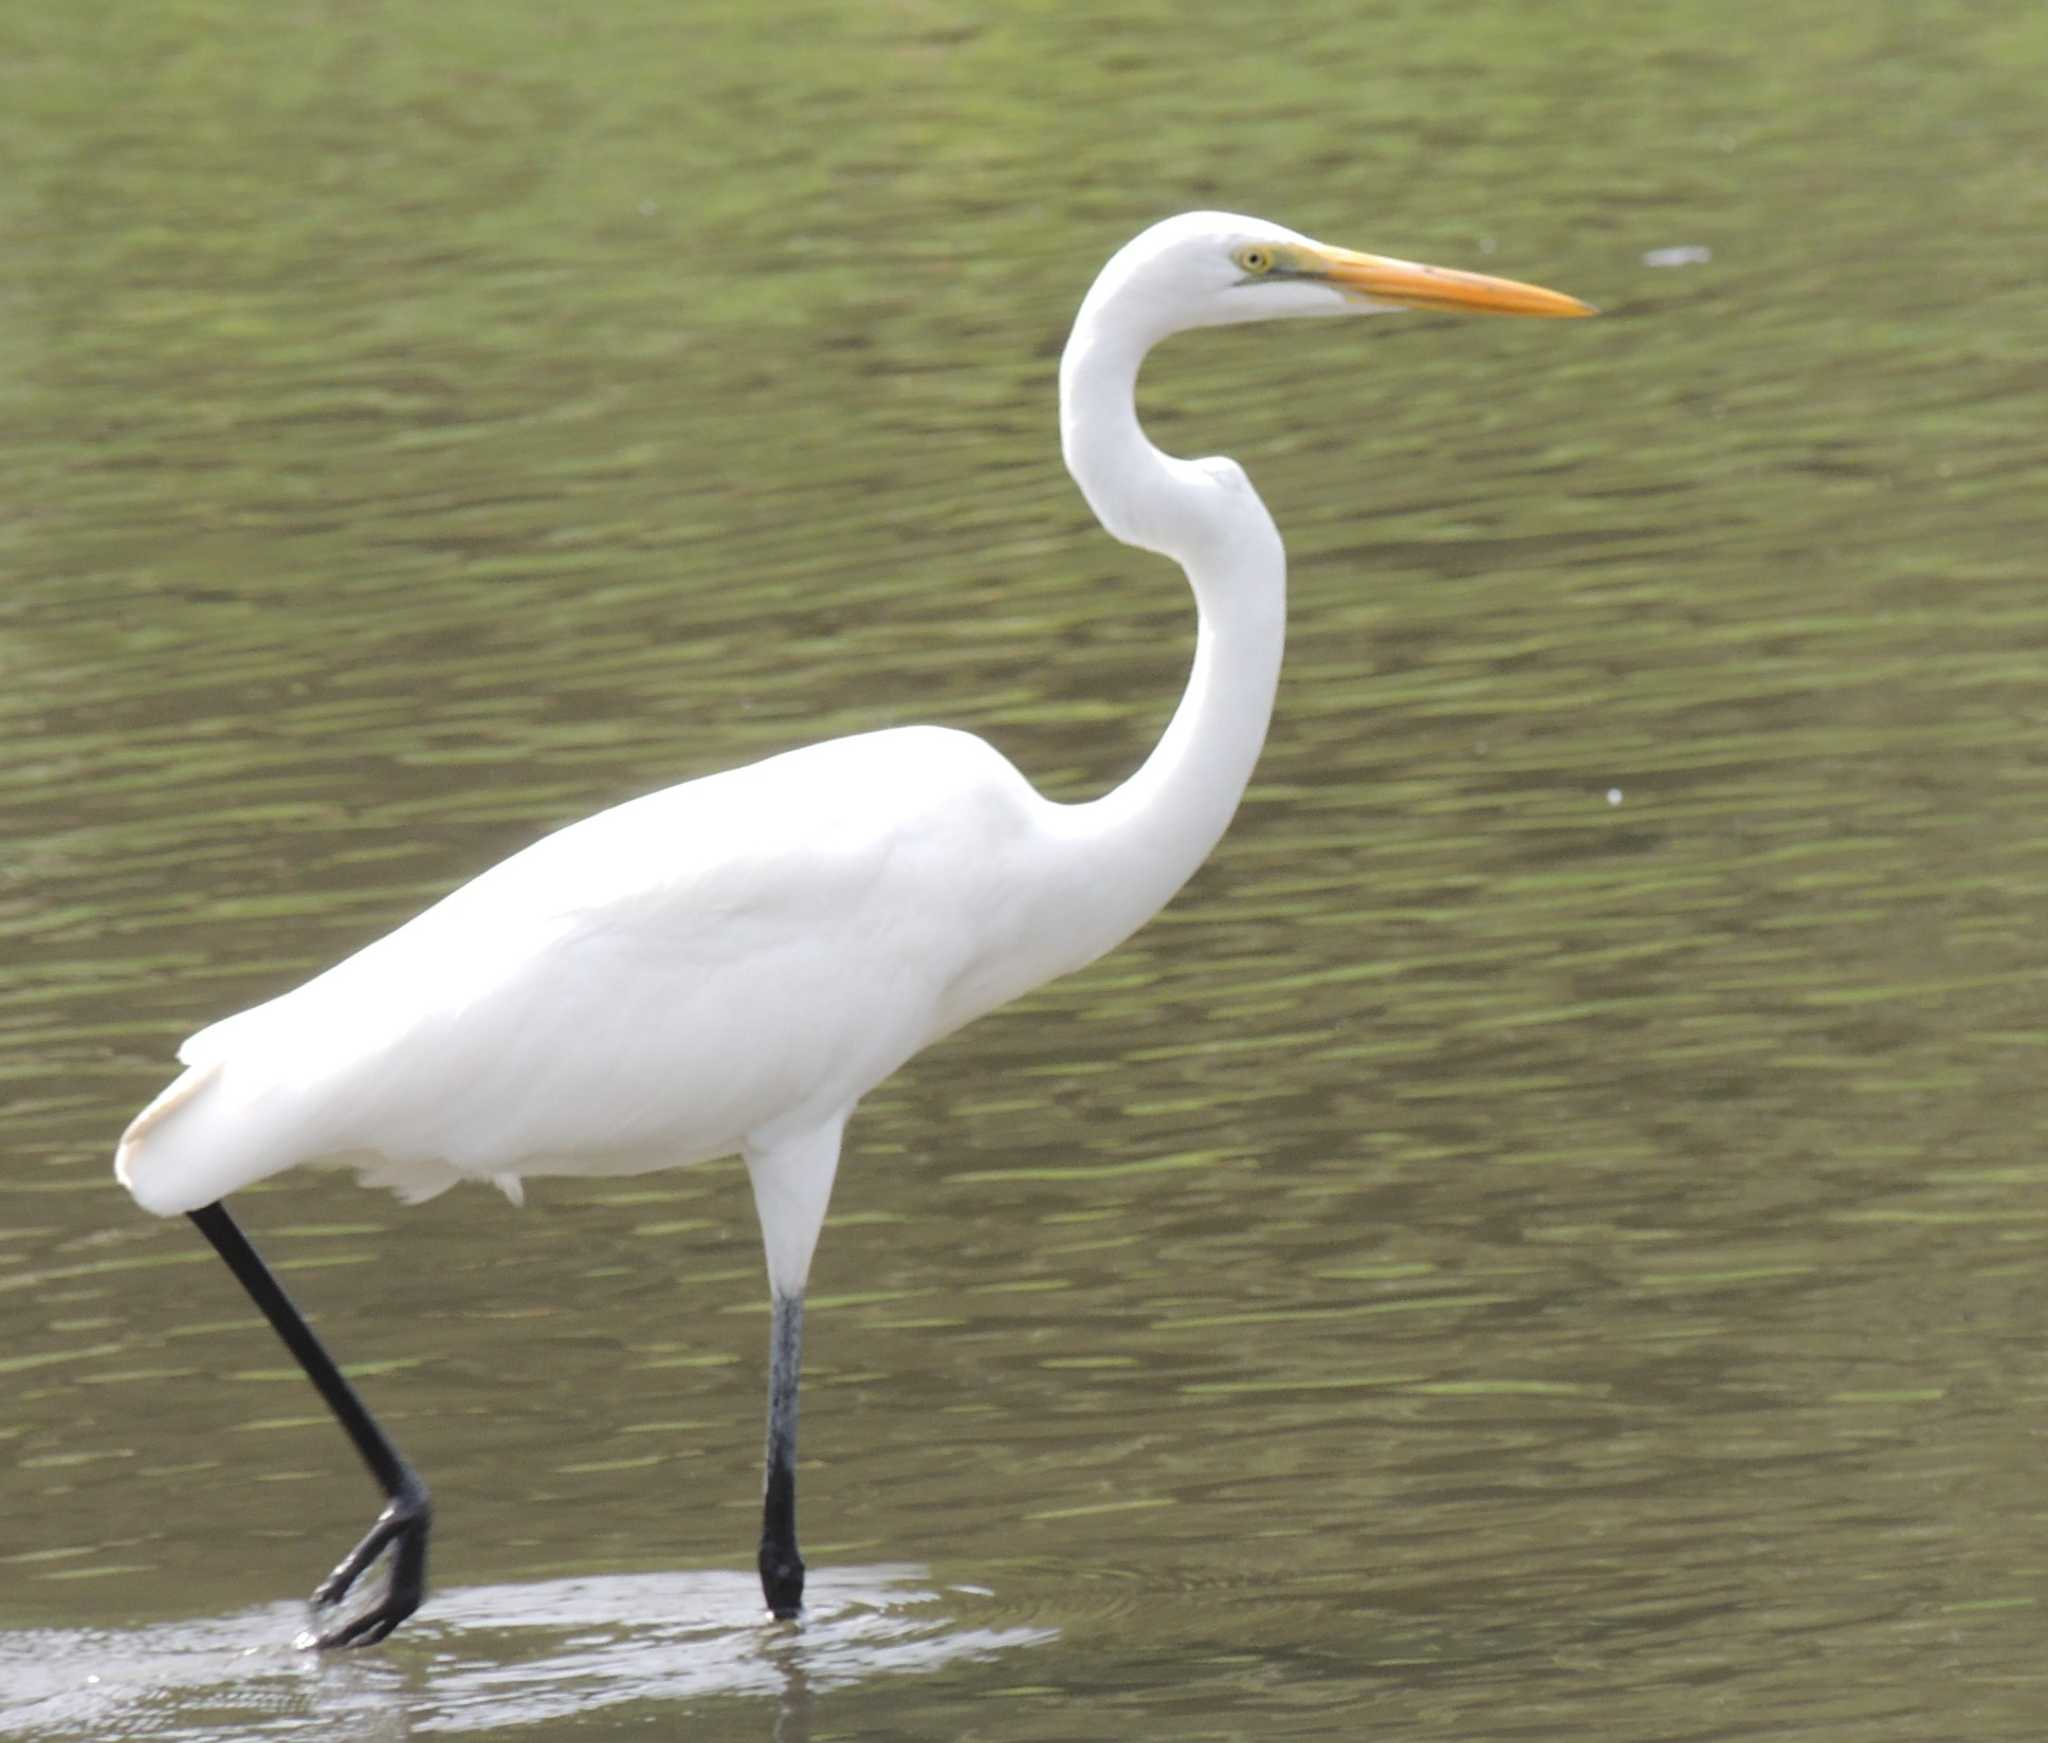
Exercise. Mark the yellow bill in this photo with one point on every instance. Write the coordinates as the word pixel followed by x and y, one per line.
pixel 1407 285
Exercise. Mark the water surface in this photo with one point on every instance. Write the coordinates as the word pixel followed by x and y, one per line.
pixel 1543 1239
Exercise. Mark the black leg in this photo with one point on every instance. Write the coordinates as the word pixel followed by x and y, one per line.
pixel 402 1526
pixel 782 1569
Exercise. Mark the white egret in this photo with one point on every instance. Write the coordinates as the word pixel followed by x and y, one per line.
pixel 731 964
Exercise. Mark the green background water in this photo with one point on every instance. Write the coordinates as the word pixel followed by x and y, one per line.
pixel 1543 1239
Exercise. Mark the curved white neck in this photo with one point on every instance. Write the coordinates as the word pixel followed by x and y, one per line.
pixel 1138 844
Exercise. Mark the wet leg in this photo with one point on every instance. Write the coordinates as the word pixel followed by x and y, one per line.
pixel 782 1568
pixel 403 1525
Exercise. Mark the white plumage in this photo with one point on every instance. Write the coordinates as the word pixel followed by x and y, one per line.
pixel 658 984
pixel 731 964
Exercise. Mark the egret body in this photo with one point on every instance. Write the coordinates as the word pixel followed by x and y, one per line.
pixel 729 965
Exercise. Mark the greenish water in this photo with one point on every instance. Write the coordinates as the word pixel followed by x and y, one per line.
pixel 1543 1239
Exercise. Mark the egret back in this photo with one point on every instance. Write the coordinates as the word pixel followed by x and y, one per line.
pixel 651 986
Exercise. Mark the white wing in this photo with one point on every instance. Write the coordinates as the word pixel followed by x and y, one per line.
pixel 647 987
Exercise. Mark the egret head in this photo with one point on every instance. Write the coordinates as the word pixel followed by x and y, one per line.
pixel 1212 269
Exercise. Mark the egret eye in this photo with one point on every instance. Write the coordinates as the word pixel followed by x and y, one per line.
pixel 1256 260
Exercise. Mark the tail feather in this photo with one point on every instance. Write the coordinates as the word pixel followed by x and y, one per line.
pixel 218 1128
pixel 190 1147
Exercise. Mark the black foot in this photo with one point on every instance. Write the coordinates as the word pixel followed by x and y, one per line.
pixel 782 1582
pixel 402 1529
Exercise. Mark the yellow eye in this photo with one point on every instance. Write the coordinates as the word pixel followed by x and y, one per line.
pixel 1257 261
